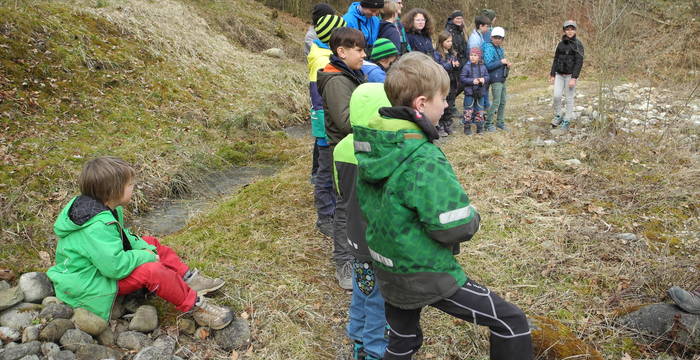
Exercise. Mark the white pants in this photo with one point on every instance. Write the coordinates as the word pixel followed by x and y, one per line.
pixel 561 86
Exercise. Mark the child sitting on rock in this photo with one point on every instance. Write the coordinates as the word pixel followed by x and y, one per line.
pixel 97 258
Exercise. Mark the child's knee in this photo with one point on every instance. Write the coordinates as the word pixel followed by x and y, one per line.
pixel 150 270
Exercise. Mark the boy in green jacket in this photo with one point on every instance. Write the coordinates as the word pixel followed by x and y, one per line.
pixel 417 215
pixel 97 258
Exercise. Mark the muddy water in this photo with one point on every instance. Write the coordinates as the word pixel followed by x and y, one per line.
pixel 171 215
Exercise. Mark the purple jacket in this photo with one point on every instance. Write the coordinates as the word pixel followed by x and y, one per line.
pixel 469 73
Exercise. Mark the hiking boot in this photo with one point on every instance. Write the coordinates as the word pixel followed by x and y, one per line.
pixel 358 351
pixel 690 302
pixel 490 128
pixel 325 226
pixel 556 121
pixel 203 284
pixel 343 274
pixel 467 129
pixel 565 125
pixel 442 132
pixel 213 316
pixel 502 127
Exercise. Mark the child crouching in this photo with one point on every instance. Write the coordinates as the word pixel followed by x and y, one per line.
pixel 97 258
pixel 417 215
pixel 475 78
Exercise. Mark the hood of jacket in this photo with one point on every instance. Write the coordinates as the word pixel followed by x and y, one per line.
pixel 388 140
pixel 337 67
pixel 80 213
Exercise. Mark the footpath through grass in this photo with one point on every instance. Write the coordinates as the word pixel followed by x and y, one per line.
pixel 548 240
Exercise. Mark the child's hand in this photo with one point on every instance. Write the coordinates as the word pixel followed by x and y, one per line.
pixel 551 79
pixel 504 62
pixel 572 82
pixel 476 81
pixel 154 253
pixel 482 80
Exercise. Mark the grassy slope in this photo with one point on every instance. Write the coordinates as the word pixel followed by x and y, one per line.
pixel 169 86
pixel 548 240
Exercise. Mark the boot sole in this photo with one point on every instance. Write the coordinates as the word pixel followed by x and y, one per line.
pixel 211 289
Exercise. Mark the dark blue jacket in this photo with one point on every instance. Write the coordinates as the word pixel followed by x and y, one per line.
pixel 389 31
pixel 446 63
pixel 368 26
pixel 492 59
pixel 421 43
pixel 470 72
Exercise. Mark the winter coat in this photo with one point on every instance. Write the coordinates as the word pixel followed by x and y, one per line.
pixel 472 71
pixel 375 73
pixel 94 251
pixel 459 41
pixel 318 58
pixel 492 59
pixel 368 26
pixel 405 47
pixel 389 31
pixel 419 42
pixel 336 82
pixel 309 39
pixel 452 71
pixel 417 212
pixel 568 57
pixel 370 97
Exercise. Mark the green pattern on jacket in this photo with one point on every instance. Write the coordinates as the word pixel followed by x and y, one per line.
pixel 416 210
pixel 90 259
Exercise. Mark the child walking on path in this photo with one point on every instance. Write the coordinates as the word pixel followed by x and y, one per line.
pixel 475 79
pixel 367 323
pixel 318 58
pixel 447 58
pixel 417 215
pixel 97 258
pixel 566 68
pixel 498 66
pixel 336 82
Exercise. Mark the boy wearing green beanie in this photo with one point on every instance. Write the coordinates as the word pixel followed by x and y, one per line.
pixel 384 53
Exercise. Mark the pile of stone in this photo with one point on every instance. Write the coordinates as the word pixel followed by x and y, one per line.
pixel 36 325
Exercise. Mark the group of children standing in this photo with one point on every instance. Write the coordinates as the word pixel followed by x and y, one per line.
pixel 399 213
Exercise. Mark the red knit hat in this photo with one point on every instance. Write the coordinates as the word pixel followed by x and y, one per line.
pixel 475 50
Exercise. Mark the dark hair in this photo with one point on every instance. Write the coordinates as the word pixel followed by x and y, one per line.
pixel 319 11
pixel 346 37
pixel 408 22
pixel 481 20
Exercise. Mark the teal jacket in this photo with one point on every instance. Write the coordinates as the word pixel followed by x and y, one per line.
pixel 417 212
pixel 91 255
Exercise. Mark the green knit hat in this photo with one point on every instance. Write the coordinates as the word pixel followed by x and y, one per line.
pixel 326 24
pixel 383 48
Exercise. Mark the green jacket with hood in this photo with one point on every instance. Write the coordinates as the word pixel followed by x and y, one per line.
pixel 417 212
pixel 91 255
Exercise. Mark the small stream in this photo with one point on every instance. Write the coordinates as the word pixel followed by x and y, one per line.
pixel 171 215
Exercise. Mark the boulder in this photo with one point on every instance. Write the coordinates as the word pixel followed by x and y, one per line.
pixel 54 330
pixel 73 339
pixel 133 340
pixel 35 286
pixel 20 316
pixel 10 297
pixel 97 352
pixel 89 322
pixel 666 321
pixel 56 311
pixel 236 336
pixel 274 52
pixel 4 285
pixel 145 319
pixel 19 351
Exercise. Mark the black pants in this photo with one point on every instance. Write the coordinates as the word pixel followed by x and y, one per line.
pixel 510 334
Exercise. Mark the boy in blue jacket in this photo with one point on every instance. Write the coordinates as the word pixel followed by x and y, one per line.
pixel 498 66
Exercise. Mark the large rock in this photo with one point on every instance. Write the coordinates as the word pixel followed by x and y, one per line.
pixel 274 52
pixel 54 330
pixel 35 286
pixel 8 334
pixel 89 322
pixel 666 321
pixel 166 344
pixel 31 333
pixel 97 352
pixel 73 339
pixel 10 297
pixel 56 311
pixel 4 285
pixel 20 316
pixel 21 350
pixel 236 336
pixel 145 319
pixel 133 340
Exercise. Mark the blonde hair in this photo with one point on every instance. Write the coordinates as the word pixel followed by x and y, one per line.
pixel 441 50
pixel 390 9
pixel 105 178
pixel 415 74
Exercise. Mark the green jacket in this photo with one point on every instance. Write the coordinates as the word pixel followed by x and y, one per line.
pixel 336 82
pixel 417 212
pixel 90 255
